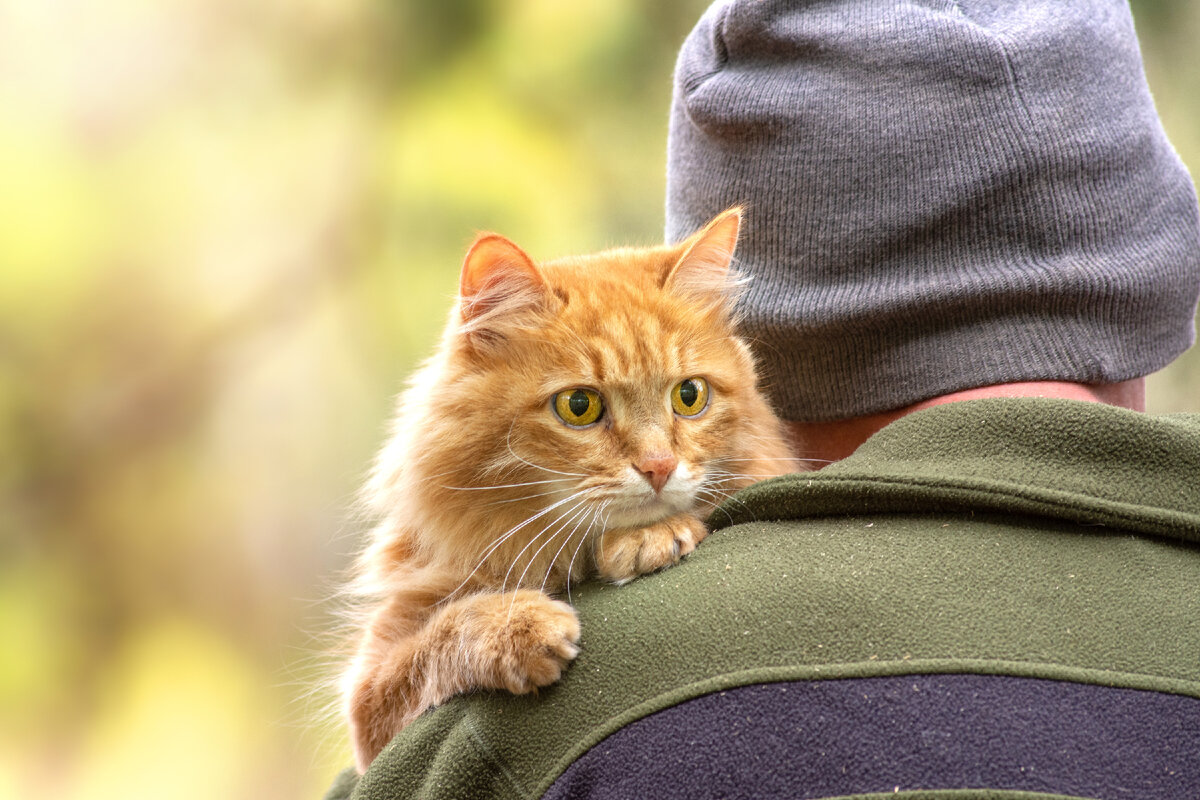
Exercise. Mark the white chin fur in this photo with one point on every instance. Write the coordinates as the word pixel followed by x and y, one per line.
pixel 638 505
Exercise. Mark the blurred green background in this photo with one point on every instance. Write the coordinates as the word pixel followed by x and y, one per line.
pixel 228 230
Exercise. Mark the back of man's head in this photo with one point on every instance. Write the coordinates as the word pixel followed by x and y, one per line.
pixel 938 197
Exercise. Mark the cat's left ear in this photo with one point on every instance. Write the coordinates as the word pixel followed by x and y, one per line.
pixel 499 288
pixel 705 270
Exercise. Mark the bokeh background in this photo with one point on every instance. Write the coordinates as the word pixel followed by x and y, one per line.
pixel 228 230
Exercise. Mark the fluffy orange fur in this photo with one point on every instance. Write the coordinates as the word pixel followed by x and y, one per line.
pixel 491 502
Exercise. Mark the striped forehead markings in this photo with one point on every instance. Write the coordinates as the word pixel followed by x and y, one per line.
pixel 628 345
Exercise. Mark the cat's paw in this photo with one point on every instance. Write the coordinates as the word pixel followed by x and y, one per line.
pixel 517 641
pixel 625 553
pixel 521 641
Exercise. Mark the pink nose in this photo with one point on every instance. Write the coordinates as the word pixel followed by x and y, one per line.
pixel 657 468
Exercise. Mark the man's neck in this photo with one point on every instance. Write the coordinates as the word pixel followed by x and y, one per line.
pixel 822 442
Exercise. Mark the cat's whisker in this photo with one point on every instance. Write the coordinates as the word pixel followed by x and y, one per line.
pixel 523 498
pixel 500 540
pixel 598 516
pixel 717 498
pixel 585 510
pixel 726 474
pixel 774 458
pixel 504 485
pixel 716 494
pixel 578 516
pixel 547 469
pixel 428 478
pixel 561 523
pixel 533 540
pixel 718 480
pixel 509 469
pixel 721 492
pixel 567 540
pixel 728 516
pixel 513 453
pixel 714 488
pixel 783 458
pixel 600 536
pixel 724 484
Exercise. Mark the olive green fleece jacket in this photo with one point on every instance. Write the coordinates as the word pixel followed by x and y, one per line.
pixel 1025 537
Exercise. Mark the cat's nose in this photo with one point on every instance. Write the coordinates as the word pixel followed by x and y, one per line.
pixel 657 468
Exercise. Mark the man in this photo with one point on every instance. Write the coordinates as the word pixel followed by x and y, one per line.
pixel 969 237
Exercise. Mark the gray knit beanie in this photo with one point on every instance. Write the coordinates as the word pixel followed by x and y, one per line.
pixel 939 195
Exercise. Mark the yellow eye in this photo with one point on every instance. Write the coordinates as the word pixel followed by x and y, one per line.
pixel 578 407
pixel 690 397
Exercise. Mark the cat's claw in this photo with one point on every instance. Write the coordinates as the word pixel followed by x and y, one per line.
pixel 516 641
pixel 532 640
pixel 625 553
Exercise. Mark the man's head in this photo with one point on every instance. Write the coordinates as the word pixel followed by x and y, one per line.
pixel 938 198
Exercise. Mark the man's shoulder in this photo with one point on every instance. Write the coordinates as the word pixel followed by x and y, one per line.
pixel 1064 459
pixel 848 598
pixel 916 557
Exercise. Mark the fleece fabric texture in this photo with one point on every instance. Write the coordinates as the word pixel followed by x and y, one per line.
pixel 1022 538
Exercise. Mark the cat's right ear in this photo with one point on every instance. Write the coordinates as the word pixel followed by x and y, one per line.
pixel 499 287
pixel 705 269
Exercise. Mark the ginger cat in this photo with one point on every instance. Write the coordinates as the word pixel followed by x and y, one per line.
pixel 579 418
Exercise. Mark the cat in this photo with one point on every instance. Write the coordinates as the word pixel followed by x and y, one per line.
pixel 579 418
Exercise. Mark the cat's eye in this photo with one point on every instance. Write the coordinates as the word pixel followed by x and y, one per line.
pixel 578 407
pixel 690 397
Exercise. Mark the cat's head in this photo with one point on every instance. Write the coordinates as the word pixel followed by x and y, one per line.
pixel 596 392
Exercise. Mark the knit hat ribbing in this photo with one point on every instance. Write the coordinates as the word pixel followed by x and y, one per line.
pixel 939 195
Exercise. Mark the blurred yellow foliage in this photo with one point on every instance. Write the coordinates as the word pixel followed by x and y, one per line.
pixel 227 232
pixel 179 715
pixel 51 220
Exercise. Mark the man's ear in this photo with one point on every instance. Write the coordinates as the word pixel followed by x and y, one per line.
pixel 498 287
pixel 705 269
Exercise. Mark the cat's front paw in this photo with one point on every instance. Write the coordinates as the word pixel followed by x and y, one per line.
pixel 522 641
pixel 515 641
pixel 625 553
